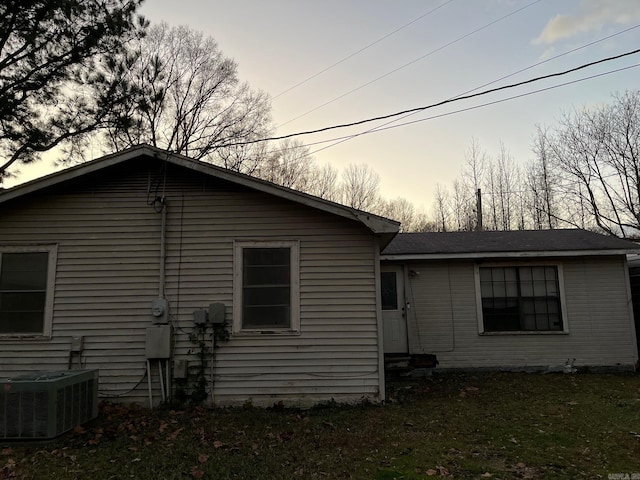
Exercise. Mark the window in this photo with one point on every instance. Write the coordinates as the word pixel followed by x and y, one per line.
pixel 266 293
pixel 389 289
pixel 521 298
pixel 26 286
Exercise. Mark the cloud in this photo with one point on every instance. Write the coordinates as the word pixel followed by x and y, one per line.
pixel 548 53
pixel 592 15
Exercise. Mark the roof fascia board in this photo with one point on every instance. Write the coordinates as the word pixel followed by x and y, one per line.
pixel 548 253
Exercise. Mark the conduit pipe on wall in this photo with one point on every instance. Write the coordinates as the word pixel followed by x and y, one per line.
pixel 163 244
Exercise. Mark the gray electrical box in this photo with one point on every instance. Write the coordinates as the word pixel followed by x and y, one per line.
pixel 216 313
pixel 76 344
pixel 180 369
pixel 158 342
pixel 200 317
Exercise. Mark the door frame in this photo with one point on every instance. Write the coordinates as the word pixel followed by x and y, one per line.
pixel 400 270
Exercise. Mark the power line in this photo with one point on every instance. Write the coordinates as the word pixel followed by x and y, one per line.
pixel 343 139
pixel 433 105
pixel 381 127
pixel 552 58
pixel 388 126
pixel 442 47
pixel 361 50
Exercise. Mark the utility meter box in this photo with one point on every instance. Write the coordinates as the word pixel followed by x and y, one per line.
pixel 216 313
pixel 159 310
pixel 200 317
pixel 76 344
pixel 158 342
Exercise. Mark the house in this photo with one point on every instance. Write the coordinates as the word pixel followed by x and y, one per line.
pixel 509 300
pixel 137 263
pixel 114 265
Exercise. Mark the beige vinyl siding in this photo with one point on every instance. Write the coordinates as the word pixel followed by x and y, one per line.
pixel 107 274
pixel 444 319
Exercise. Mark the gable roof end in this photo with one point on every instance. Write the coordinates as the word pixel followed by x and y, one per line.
pixel 384 227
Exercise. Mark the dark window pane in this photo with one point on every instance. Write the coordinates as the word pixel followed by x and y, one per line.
pixel 266 256
pixel 520 298
pixel 485 275
pixel 529 322
pixel 22 301
pixel 266 275
pixel 500 314
pixel 23 285
pixel 24 271
pixel 266 292
pixel 266 316
pixel 389 289
pixel 21 322
pixel 266 295
pixel 555 322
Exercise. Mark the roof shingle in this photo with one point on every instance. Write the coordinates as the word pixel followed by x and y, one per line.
pixel 563 240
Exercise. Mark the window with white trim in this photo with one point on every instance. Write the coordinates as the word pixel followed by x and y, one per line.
pixel 266 287
pixel 26 290
pixel 521 298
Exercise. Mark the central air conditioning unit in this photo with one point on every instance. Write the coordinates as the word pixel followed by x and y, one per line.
pixel 43 405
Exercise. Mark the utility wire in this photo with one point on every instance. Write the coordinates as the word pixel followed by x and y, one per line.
pixel 442 47
pixel 437 104
pixel 343 139
pixel 361 50
pixel 381 127
pixel 446 114
pixel 552 58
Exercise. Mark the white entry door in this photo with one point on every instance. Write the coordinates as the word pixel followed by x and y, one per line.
pixel 394 320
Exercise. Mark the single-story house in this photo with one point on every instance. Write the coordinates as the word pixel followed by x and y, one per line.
pixel 128 264
pixel 510 300
pixel 114 262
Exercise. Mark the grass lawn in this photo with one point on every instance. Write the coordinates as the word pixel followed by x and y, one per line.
pixel 483 425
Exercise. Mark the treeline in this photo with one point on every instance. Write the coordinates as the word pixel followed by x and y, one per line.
pixel 584 172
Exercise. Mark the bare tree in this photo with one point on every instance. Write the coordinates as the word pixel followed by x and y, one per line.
pixel 507 186
pixel 422 223
pixel 288 165
pixel 521 213
pixel 503 186
pixel 360 185
pixel 191 101
pixel 463 206
pixel 542 184
pixel 473 177
pixel 399 209
pixel 475 166
pixel 323 182
pixel 441 208
pixel 598 152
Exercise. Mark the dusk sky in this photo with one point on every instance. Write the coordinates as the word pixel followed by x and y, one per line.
pixel 410 53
